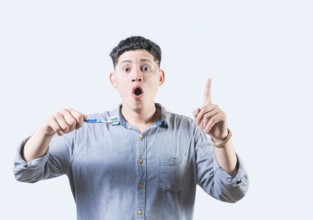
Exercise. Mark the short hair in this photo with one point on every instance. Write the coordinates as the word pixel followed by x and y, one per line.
pixel 136 43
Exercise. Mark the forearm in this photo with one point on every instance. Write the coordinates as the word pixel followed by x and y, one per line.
pixel 226 158
pixel 62 122
pixel 36 146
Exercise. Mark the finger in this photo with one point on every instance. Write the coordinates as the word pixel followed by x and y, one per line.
pixel 79 117
pixel 204 110
pixel 69 118
pixel 59 118
pixel 218 118
pixel 54 126
pixel 208 115
pixel 207 92
pixel 196 112
pixel 50 126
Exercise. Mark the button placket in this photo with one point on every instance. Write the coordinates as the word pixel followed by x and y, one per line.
pixel 141 169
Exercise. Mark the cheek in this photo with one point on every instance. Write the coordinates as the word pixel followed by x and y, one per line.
pixel 121 82
pixel 153 89
pixel 123 88
pixel 154 83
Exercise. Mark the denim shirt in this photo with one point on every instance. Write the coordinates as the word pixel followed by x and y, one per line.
pixel 117 172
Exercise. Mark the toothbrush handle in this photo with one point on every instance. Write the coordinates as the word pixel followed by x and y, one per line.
pixel 93 120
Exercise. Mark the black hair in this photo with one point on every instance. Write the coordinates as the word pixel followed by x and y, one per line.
pixel 136 43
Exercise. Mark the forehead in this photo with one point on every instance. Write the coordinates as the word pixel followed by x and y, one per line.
pixel 135 56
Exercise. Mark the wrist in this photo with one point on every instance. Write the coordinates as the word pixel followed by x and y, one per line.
pixel 221 143
pixel 43 132
pixel 221 138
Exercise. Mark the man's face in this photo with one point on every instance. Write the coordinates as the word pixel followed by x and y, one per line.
pixel 137 77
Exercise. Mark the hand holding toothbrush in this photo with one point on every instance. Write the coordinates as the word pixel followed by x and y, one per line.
pixel 63 121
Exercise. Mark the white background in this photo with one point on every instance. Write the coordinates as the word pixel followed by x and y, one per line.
pixel 55 54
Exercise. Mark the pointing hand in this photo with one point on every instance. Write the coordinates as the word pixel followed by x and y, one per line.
pixel 210 118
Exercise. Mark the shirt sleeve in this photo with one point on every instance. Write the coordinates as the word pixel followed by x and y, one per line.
pixel 53 163
pixel 212 178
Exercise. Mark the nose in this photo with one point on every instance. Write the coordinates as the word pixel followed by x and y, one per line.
pixel 137 76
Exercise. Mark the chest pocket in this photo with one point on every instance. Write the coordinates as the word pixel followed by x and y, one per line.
pixel 171 172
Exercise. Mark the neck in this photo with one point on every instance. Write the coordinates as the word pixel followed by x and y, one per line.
pixel 141 119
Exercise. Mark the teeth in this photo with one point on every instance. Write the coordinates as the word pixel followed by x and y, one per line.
pixel 137 91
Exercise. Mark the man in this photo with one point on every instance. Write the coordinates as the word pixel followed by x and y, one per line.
pixel 146 162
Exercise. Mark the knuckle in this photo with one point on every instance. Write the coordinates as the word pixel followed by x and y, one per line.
pixel 207 116
pixel 80 117
pixel 79 125
pixel 63 110
pixel 71 121
pixel 58 115
pixel 73 125
pixel 57 129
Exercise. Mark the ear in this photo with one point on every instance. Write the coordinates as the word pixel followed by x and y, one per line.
pixel 112 79
pixel 162 77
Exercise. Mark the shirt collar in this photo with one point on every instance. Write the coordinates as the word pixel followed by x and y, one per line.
pixel 161 122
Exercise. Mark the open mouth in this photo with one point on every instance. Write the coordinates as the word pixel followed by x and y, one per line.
pixel 137 91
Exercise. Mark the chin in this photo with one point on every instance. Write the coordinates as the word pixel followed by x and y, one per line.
pixel 134 106
pixel 139 107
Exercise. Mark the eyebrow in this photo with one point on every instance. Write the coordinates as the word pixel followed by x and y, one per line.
pixel 141 60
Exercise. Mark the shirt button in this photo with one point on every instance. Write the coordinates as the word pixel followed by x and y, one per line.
pixel 140 136
pixel 140 161
pixel 139 212
pixel 140 186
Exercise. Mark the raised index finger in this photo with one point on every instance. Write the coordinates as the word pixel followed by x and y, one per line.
pixel 207 92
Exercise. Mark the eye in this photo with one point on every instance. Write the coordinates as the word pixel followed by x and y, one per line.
pixel 145 69
pixel 126 69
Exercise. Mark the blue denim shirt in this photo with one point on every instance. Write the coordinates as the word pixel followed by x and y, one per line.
pixel 117 172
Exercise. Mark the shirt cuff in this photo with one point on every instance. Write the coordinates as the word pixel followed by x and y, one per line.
pixel 20 162
pixel 241 177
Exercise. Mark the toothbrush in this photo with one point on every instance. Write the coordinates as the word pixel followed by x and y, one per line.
pixel 112 120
